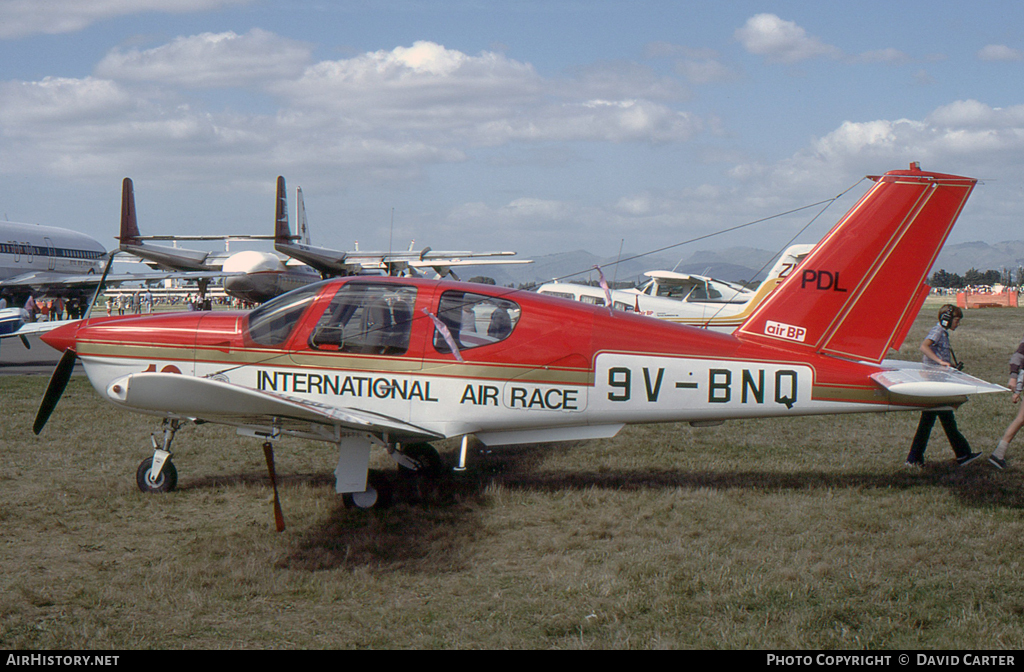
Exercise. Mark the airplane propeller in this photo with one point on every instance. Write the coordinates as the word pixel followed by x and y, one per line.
pixel 58 381
pixel 62 372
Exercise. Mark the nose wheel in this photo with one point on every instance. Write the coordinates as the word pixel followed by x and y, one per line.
pixel 157 473
pixel 165 481
pixel 378 493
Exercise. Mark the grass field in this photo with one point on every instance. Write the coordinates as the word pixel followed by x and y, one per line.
pixel 803 533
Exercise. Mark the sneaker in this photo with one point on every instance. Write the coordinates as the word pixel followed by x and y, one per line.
pixel 967 459
pixel 915 464
pixel 996 462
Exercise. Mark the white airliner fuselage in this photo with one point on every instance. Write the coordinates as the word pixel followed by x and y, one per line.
pixel 32 248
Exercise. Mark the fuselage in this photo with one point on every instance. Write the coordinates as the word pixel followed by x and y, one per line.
pixel 532 367
pixel 696 309
pixel 27 248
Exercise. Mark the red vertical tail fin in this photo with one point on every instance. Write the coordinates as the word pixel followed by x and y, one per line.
pixel 857 292
pixel 129 222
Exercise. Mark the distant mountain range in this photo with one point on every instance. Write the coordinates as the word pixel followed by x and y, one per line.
pixel 734 263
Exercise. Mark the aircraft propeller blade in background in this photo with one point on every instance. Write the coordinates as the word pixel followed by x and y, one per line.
pixel 99 287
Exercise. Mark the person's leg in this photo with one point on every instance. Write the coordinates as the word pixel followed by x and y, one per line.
pixel 924 430
pixel 956 440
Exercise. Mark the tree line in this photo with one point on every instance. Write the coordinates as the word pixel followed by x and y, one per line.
pixel 974 277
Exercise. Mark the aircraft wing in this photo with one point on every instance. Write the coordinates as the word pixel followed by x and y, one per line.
pixel 34 328
pixel 176 395
pixel 447 263
pixel 918 380
pixel 40 281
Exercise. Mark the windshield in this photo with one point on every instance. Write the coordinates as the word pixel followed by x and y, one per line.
pixel 272 323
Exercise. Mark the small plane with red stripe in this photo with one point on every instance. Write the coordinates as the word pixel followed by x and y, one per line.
pixel 390 363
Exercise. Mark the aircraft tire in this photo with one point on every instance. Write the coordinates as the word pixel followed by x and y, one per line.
pixel 426 483
pixel 378 493
pixel 426 455
pixel 168 477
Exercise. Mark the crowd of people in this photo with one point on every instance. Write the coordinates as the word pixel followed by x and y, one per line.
pixel 140 302
pixel 55 309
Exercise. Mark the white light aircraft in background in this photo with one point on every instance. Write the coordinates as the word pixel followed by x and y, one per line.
pixel 685 298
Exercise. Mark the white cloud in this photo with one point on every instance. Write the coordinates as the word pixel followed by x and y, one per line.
pixel 59 100
pixel 781 41
pixel 383 115
pixel 425 78
pixel 964 137
pixel 211 60
pixel 20 18
pixel 446 96
pixel 613 121
pixel 1000 52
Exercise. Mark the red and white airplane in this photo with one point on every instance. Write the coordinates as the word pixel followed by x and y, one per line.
pixel 364 362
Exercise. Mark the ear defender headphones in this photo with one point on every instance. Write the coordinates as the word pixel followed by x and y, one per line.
pixel 946 315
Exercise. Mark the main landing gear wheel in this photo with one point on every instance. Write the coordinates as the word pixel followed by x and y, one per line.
pixel 378 493
pixel 426 456
pixel 165 482
pixel 424 482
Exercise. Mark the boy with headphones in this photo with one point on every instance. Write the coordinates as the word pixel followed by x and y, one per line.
pixel 937 352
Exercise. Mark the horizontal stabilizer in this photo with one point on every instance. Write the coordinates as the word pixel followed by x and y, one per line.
pixel 931 381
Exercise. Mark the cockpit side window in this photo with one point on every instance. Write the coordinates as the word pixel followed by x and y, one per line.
pixel 366 318
pixel 475 319
pixel 704 292
pixel 673 291
pixel 272 323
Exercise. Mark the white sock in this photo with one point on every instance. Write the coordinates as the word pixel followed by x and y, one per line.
pixel 1000 451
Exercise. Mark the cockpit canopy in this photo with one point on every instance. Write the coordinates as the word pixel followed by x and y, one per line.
pixel 368 317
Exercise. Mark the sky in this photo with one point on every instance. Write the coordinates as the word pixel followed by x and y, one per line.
pixel 536 126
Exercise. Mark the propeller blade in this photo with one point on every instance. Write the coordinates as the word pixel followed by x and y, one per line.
pixel 58 381
pixel 268 453
pixel 99 287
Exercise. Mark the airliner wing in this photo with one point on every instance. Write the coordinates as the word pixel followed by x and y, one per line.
pixel 40 281
pixel 176 395
pixel 917 380
pixel 34 328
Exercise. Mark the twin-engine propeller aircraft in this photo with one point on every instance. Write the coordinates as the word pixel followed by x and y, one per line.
pixel 684 298
pixel 260 276
pixel 396 363
pixel 333 263
pixel 250 275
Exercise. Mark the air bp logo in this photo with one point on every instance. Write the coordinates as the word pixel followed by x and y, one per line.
pixel 787 331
